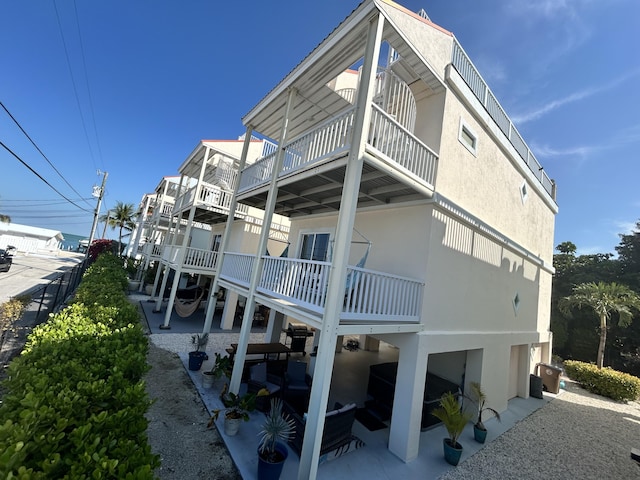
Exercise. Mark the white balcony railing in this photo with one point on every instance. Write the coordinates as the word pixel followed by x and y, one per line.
pixel 207 195
pixel 196 258
pixel 401 146
pixel 369 295
pixel 326 140
pixel 333 137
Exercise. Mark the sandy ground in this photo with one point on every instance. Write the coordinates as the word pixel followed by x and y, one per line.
pixel 178 424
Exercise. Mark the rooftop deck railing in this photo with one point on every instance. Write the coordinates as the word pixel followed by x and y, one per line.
pixel 480 89
pixel 369 295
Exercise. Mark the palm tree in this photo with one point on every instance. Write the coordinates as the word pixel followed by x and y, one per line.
pixel 604 299
pixel 122 217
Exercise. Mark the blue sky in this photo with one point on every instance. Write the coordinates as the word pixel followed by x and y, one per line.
pixel 136 84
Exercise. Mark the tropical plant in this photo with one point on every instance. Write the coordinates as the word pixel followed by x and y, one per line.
pixel 450 413
pixel 222 366
pixel 199 340
pixel 236 406
pixel 276 427
pixel 122 217
pixel 603 299
pixel 5 218
pixel 480 399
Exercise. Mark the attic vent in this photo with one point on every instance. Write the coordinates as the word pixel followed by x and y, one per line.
pixel 516 302
pixel 524 192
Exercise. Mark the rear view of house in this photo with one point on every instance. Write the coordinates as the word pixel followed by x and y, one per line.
pixel 419 218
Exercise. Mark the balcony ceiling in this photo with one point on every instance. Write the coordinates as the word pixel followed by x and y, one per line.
pixel 319 190
pixel 342 49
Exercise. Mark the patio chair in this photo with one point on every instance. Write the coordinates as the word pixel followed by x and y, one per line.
pixel 297 385
pixel 259 379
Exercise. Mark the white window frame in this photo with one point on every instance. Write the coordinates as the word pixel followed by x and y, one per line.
pixel 470 132
pixel 307 232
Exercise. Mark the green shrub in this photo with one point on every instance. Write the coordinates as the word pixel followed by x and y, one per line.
pixel 605 381
pixel 75 400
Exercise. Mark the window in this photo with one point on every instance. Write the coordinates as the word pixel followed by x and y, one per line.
pixel 516 303
pixel 315 246
pixel 215 245
pixel 468 138
pixel 524 191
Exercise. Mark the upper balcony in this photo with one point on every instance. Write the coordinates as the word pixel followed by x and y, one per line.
pixel 211 202
pixel 398 167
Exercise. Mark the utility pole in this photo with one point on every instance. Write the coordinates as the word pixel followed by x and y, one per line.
pixel 98 192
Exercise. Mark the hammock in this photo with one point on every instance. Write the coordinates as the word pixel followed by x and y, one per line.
pixel 186 306
pixel 354 275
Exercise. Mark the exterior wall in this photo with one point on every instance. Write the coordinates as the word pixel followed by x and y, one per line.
pixel 432 42
pixel 472 282
pixel 233 148
pixel 488 185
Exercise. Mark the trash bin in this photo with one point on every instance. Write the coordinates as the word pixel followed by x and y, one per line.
pixel 550 377
pixel 535 386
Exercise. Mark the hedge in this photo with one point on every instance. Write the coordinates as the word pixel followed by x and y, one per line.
pixel 75 400
pixel 604 381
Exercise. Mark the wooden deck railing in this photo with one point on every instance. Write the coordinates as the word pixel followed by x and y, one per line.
pixel 197 258
pixel 369 295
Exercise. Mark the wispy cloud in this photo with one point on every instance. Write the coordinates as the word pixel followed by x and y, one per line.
pixel 628 136
pixel 574 97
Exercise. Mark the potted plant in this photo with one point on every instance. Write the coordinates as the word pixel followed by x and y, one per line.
pixel 197 357
pixel 222 367
pixel 450 413
pixel 149 278
pixel 272 450
pixel 480 399
pixel 236 409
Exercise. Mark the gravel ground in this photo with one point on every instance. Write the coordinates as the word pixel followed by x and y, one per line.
pixel 578 435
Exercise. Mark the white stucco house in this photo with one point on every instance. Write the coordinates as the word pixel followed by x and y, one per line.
pixel 28 239
pixel 419 218
pixel 184 224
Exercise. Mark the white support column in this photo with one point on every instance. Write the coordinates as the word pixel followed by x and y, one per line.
pixel 256 271
pixel 338 273
pixel 229 312
pixel 179 265
pixel 274 326
pixel 206 328
pixel 169 240
pixel 406 419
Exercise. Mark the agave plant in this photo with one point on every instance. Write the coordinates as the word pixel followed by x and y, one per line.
pixel 277 426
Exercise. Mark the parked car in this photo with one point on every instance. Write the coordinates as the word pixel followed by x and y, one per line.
pixel 6 258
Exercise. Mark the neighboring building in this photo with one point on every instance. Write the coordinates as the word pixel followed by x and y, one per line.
pixel 419 218
pixel 191 217
pixel 29 239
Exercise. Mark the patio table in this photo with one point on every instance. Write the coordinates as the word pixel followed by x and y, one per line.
pixel 265 349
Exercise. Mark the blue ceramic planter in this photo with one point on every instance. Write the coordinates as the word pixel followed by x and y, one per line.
pixel 451 454
pixel 272 471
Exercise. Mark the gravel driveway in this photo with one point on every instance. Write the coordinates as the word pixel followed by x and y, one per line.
pixel 578 435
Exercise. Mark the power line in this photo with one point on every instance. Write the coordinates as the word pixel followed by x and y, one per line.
pixel 40 177
pixel 73 82
pixel 86 80
pixel 41 152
